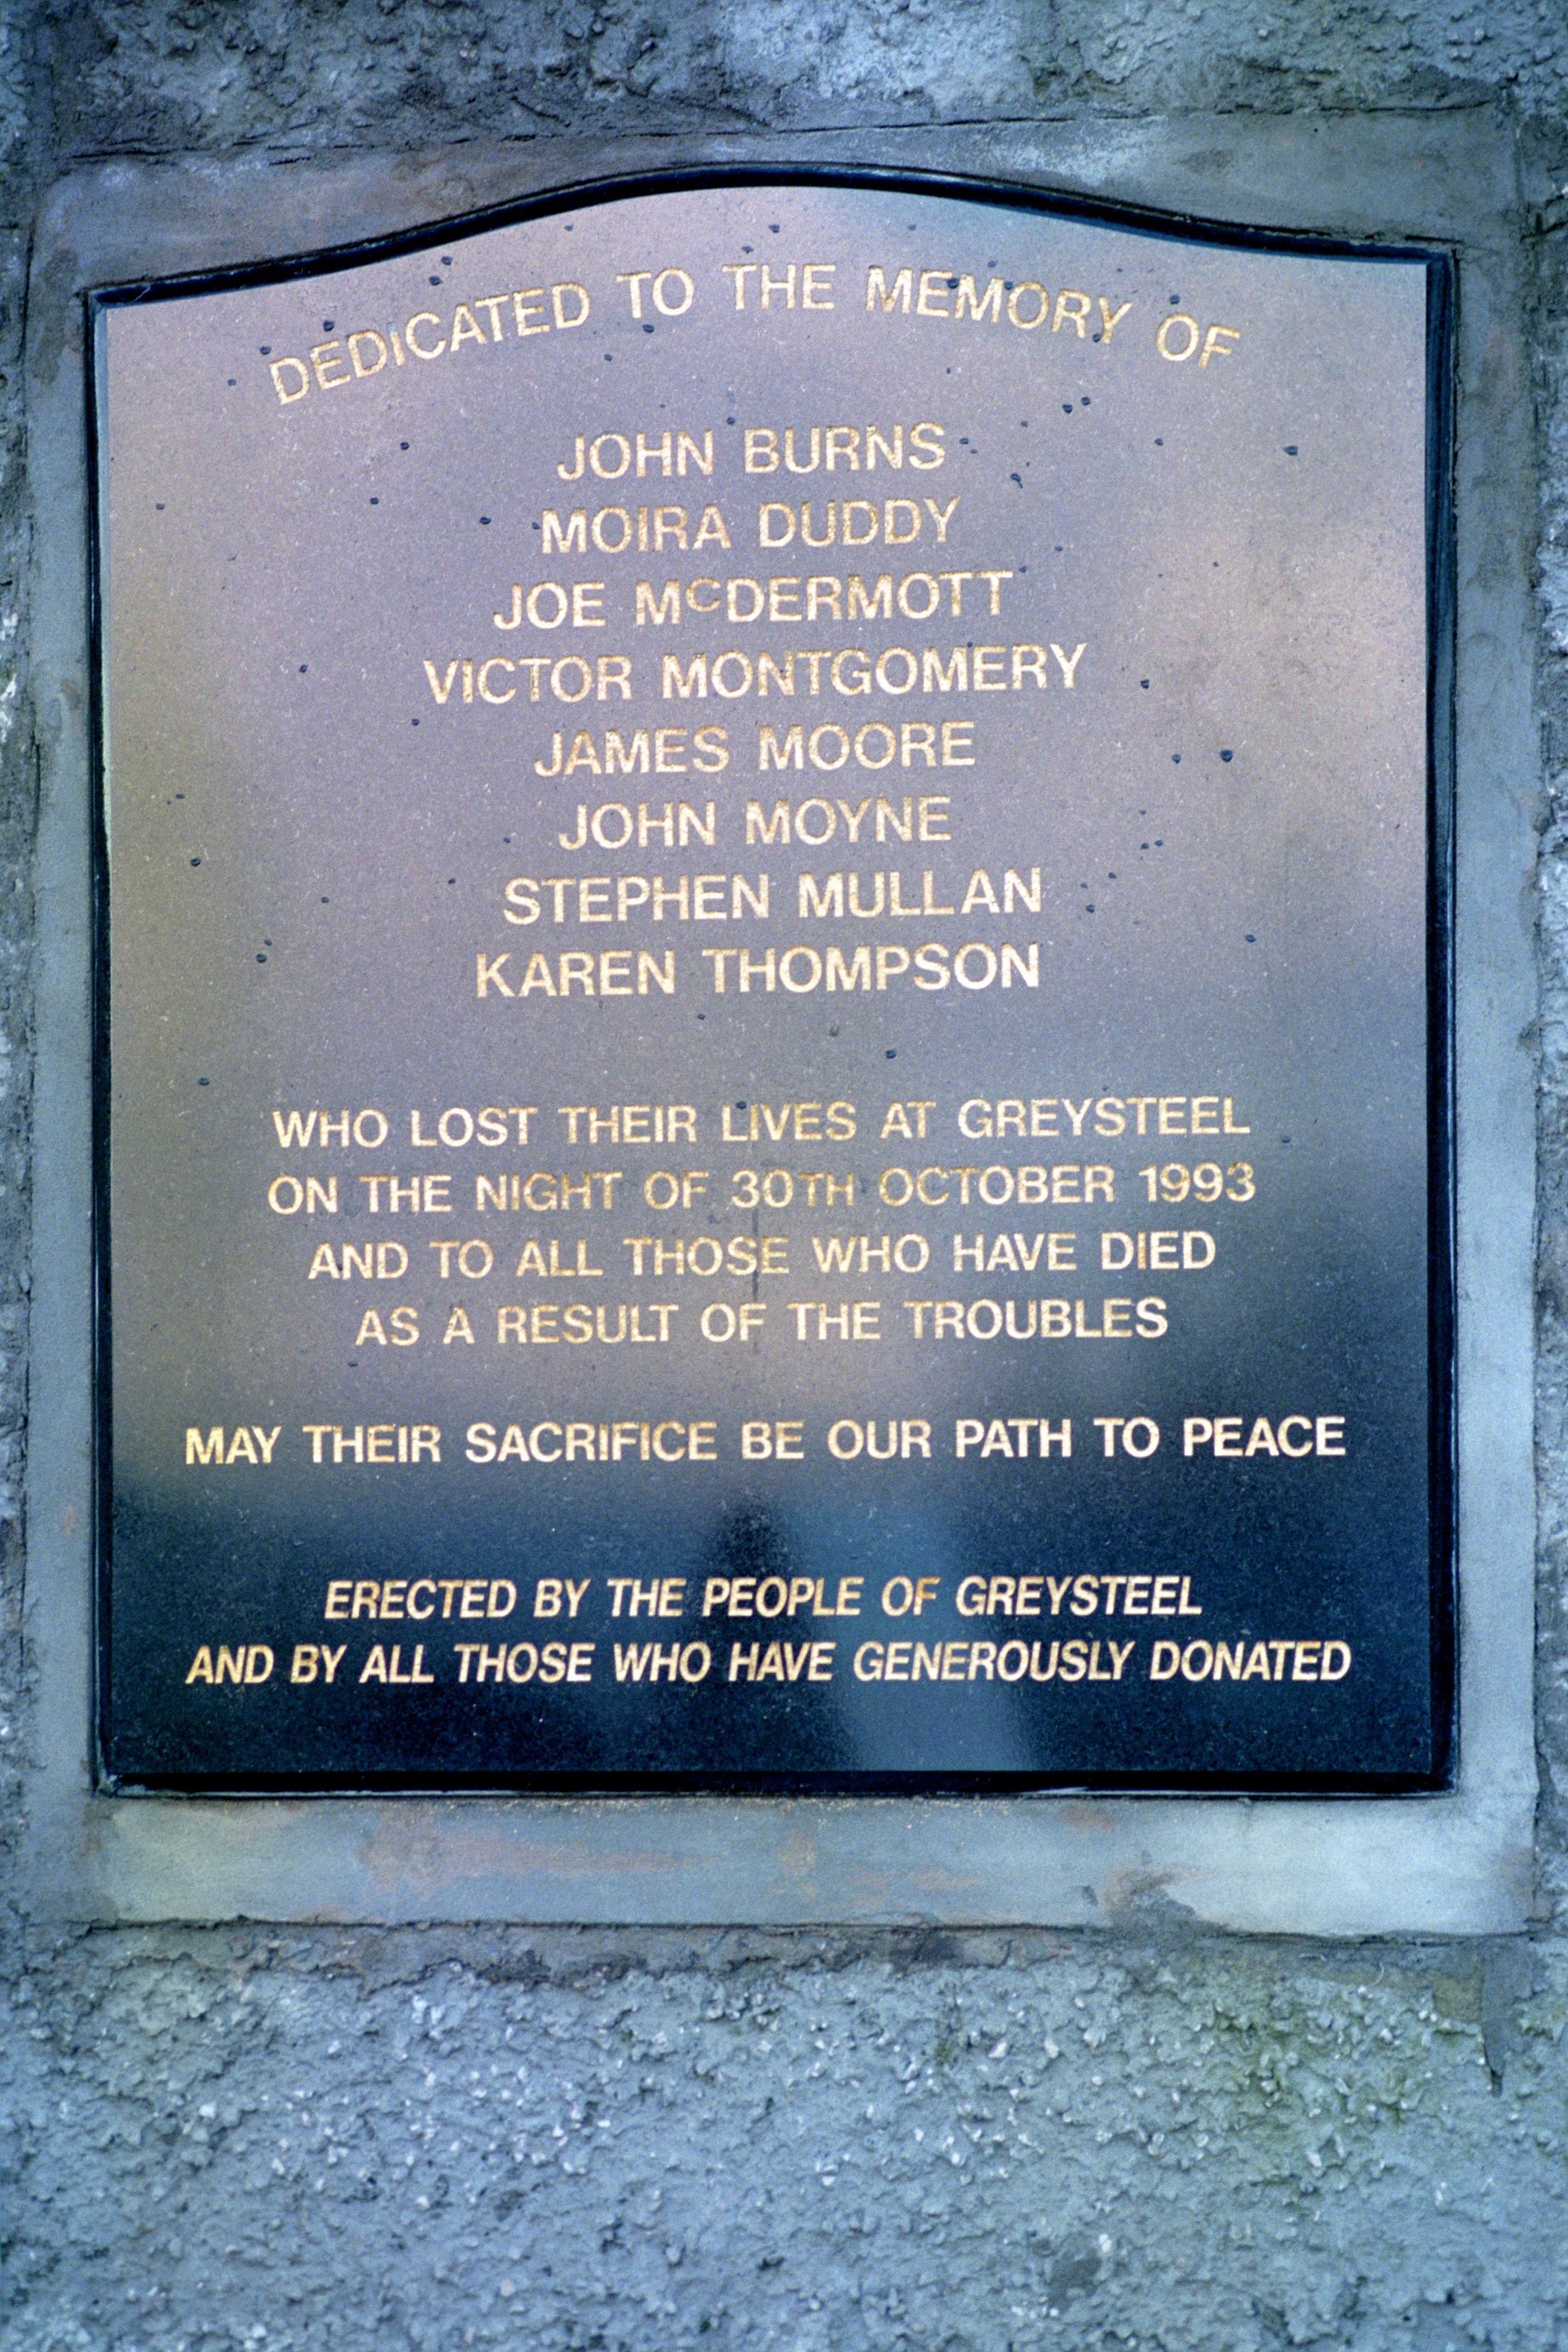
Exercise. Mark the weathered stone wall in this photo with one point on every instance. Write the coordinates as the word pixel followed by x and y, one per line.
pixel 331 2140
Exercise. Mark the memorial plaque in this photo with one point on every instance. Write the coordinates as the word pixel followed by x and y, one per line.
pixel 773 1082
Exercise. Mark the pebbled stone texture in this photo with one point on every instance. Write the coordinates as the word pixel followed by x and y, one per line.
pixel 432 2140
pixel 327 72
pixel 1552 1414
pixel 323 2141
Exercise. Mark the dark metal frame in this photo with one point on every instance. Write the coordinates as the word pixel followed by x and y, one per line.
pixel 1442 297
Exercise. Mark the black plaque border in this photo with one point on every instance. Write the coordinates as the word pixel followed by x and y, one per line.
pixel 1440 264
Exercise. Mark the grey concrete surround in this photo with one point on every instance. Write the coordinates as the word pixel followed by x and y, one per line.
pixel 1459 1861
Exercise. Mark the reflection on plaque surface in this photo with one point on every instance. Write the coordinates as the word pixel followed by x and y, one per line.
pixel 769 1008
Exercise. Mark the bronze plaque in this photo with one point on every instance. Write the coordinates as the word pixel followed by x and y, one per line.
pixel 773 1034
